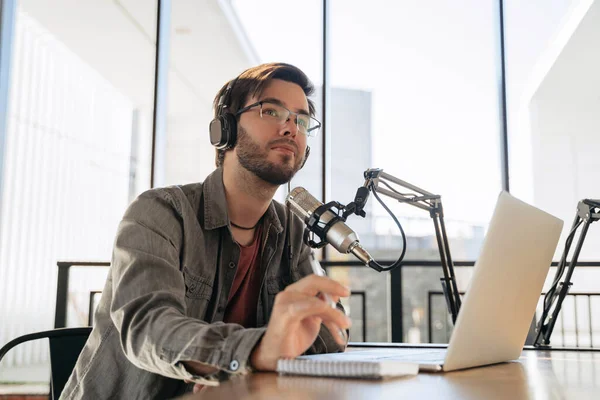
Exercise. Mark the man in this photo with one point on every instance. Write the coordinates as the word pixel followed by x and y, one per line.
pixel 211 280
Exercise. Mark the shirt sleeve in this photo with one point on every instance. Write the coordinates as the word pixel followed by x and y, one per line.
pixel 325 342
pixel 148 306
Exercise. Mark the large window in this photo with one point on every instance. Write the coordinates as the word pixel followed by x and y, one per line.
pixel 415 91
pixel 77 151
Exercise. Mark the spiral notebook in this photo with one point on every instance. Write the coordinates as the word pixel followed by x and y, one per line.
pixel 317 365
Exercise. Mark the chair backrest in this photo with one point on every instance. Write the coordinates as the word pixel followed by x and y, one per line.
pixel 65 346
pixel 64 351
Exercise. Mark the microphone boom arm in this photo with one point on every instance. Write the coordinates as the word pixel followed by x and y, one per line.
pixel 588 211
pixel 426 201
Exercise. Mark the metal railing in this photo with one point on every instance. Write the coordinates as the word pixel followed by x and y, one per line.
pixel 578 330
pixel 396 290
pixel 62 289
pixel 363 296
pixel 396 294
pixel 396 284
pixel 64 268
pixel 589 296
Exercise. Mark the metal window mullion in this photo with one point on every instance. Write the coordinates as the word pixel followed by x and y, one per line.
pixel 503 111
pixel 159 114
pixel 325 103
pixel 7 31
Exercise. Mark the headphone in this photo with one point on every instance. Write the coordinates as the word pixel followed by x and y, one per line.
pixel 223 128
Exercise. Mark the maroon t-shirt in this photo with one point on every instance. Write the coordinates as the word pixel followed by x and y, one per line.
pixel 243 297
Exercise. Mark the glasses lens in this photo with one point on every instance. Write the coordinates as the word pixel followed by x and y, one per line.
pixel 274 113
pixel 279 115
pixel 314 127
pixel 303 123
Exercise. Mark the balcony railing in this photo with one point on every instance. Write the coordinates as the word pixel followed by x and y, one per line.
pixel 434 302
pixel 582 330
pixel 397 283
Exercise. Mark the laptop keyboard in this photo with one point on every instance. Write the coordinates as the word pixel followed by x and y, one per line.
pixel 419 356
pixel 430 356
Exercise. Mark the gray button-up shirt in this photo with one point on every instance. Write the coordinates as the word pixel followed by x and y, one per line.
pixel 173 264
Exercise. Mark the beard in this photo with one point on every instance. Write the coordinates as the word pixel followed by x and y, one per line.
pixel 255 159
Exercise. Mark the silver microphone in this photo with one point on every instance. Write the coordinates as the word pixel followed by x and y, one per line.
pixel 339 235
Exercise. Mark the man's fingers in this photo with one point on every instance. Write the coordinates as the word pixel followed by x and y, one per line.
pixel 313 284
pixel 338 333
pixel 296 306
pixel 292 296
pixel 335 299
pixel 334 319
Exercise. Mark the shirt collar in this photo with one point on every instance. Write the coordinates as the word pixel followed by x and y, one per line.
pixel 215 204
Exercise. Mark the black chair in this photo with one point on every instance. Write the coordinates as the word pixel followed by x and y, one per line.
pixel 65 346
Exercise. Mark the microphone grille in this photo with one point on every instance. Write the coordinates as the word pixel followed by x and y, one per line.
pixel 302 203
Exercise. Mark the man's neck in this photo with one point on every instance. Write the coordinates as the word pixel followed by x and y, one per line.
pixel 248 196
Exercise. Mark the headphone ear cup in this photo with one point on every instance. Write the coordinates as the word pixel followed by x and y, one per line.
pixel 215 130
pixel 306 154
pixel 223 131
pixel 229 130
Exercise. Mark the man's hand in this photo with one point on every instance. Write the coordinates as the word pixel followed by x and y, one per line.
pixel 296 319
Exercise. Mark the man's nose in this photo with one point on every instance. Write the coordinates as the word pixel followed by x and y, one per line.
pixel 289 127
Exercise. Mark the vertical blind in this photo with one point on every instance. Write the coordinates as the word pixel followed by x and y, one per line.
pixel 66 181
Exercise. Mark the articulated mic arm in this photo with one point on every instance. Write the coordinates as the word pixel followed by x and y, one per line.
pixel 588 211
pixel 423 200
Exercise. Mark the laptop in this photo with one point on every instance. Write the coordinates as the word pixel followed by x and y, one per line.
pixel 499 305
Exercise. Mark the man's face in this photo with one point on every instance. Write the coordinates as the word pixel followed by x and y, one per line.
pixel 273 152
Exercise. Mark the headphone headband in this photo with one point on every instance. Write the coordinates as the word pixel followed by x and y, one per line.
pixel 225 99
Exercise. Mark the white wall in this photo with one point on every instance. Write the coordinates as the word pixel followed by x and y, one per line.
pixel 566 137
pixel 535 33
pixel 565 130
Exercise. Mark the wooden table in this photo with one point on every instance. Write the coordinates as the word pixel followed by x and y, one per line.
pixel 536 375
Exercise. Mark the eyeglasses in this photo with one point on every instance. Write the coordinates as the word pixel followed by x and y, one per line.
pixel 278 114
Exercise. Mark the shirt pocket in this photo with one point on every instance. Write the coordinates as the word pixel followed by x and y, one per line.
pixel 198 292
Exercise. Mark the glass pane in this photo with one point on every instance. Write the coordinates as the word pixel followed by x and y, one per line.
pixel 77 151
pixel 552 105
pixel 369 304
pixel 213 42
pixel 414 93
pixel 425 315
pixel 85 288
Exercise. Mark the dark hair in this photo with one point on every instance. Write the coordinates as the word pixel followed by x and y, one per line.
pixel 252 82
